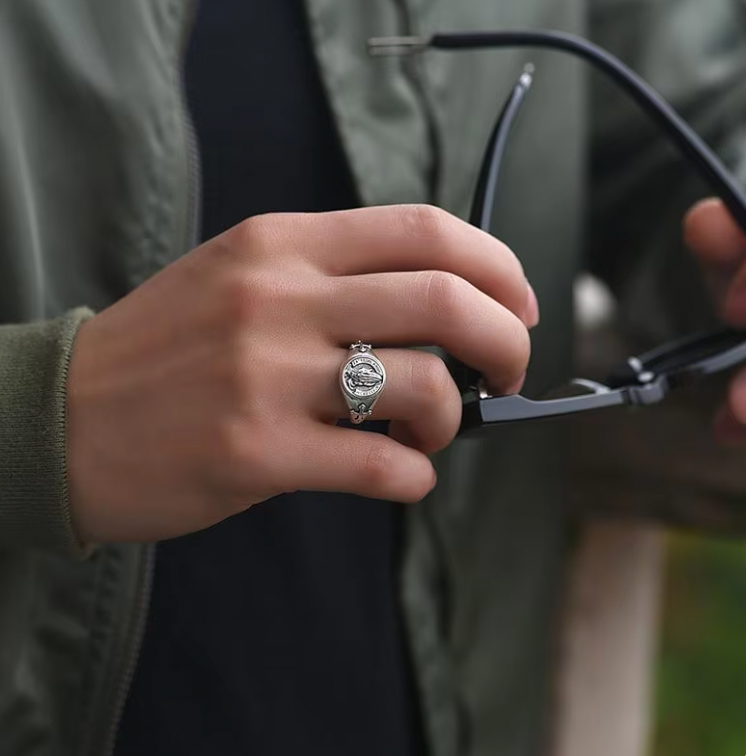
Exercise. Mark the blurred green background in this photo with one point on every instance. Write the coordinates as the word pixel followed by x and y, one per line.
pixel 701 678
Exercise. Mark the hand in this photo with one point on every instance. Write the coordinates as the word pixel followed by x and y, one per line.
pixel 214 385
pixel 720 246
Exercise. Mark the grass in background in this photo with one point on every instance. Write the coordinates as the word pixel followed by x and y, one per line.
pixel 701 680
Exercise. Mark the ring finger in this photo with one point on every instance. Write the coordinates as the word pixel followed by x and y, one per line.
pixel 419 394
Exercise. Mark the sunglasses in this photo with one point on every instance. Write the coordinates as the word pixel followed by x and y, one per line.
pixel 642 380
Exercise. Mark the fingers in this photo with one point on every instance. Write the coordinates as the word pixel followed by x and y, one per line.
pixel 730 422
pixel 727 430
pixel 431 308
pixel 737 397
pixel 419 393
pixel 329 458
pixel 410 238
pixel 729 426
pixel 720 246
pixel 714 236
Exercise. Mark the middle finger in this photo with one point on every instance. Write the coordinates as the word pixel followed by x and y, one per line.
pixel 430 308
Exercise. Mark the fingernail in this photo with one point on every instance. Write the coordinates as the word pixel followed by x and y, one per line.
pixel 532 308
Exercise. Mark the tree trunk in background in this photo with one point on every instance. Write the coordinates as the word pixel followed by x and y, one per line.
pixel 609 641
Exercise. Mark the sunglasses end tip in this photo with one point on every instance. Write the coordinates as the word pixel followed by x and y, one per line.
pixel 527 77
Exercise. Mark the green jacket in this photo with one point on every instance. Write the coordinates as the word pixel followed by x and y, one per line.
pixel 98 190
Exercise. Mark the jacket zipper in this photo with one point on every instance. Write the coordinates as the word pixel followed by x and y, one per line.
pixel 194 165
pixel 413 70
pixel 191 225
pixel 411 67
pixel 131 646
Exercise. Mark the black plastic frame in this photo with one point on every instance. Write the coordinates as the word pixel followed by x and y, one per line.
pixel 642 380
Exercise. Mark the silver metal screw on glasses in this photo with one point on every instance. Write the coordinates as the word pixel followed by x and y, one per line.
pixel 362 380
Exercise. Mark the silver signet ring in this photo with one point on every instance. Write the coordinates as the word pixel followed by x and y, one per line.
pixel 362 380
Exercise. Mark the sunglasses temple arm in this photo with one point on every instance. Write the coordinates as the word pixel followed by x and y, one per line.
pixel 689 143
pixel 484 197
pixel 481 413
pixel 484 201
pixel 716 364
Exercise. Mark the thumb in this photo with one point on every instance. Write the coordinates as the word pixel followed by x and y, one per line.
pixel 720 246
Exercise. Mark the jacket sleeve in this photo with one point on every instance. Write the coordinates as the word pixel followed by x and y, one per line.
pixel 660 463
pixel 34 504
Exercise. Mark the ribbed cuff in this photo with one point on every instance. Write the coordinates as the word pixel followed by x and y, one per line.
pixel 34 496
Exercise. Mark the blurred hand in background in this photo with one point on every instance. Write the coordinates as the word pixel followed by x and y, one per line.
pixel 720 246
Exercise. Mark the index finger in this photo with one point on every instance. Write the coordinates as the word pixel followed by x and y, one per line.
pixel 416 237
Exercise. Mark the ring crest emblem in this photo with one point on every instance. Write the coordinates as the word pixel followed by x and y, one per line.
pixel 362 379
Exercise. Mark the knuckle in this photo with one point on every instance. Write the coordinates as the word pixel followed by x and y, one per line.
pixel 377 465
pixel 430 225
pixel 445 295
pixel 248 235
pixel 247 296
pixel 430 379
pixel 273 237
pixel 429 221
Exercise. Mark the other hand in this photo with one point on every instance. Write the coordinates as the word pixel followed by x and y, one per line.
pixel 720 246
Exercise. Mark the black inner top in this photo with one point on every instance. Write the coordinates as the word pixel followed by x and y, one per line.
pixel 278 631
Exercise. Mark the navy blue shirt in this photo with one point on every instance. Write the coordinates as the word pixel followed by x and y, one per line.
pixel 277 632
